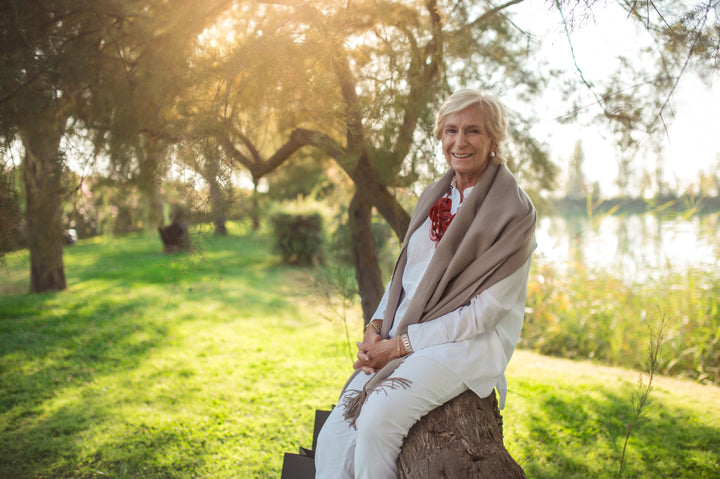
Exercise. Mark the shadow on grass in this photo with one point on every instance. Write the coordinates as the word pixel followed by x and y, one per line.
pixel 214 262
pixel 58 349
pixel 52 353
pixel 587 434
pixel 45 348
pixel 53 446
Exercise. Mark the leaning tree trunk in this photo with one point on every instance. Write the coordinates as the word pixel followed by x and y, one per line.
pixel 461 439
pixel 42 170
pixel 364 250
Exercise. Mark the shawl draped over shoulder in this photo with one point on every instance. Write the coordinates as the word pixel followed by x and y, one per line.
pixel 491 236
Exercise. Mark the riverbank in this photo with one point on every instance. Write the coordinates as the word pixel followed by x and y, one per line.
pixel 663 205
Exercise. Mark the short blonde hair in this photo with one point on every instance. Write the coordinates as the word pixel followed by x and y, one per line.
pixel 493 110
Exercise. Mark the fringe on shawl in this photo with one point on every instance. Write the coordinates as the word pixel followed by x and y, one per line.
pixel 353 402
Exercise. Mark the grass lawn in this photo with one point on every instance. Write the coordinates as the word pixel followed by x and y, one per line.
pixel 212 364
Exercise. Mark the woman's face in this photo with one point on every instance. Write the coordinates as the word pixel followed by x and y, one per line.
pixel 466 144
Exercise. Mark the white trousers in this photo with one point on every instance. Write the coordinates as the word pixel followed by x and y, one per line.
pixel 370 451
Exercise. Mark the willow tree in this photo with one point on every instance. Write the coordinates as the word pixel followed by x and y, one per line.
pixel 360 81
pixel 47 51
pixel 81 63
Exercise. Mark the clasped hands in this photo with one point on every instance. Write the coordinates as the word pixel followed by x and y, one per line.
pixel 374 352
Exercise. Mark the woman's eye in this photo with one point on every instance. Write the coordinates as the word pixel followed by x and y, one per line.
pixel 450 130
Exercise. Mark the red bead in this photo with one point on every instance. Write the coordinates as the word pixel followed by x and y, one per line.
pixel 440 217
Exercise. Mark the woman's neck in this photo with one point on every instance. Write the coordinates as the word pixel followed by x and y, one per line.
pixel 461 183
pixel 461 186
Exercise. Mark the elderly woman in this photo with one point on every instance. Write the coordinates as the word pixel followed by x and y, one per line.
pixel 451 315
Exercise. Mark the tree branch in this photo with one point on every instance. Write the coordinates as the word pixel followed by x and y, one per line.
pixel 577 67
pixel 490 13
pixel 236 155
pixel 363 176
pixel 20 87
pixel 353 112
pixel 427 69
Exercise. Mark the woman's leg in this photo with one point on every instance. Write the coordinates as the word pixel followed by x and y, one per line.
pixel 389 413
pixel 335 450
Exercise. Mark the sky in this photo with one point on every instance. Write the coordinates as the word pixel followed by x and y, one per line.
pixel 693 139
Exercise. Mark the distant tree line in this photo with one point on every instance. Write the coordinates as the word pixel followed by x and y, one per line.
pixel 582 195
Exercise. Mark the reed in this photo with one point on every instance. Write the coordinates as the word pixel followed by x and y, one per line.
pixel 583 313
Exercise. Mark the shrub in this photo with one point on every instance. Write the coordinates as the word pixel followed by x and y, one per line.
pixel 581 313
pixel 298 238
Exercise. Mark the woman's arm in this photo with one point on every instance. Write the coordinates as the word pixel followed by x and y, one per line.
pixel 371 337
pixel 380 310
pixel 483 313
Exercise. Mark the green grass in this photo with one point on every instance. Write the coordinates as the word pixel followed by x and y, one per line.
pixel 212 364
pixel 567 419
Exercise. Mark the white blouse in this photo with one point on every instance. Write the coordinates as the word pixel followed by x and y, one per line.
pixel 465 340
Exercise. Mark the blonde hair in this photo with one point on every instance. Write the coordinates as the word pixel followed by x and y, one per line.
pixel 494 115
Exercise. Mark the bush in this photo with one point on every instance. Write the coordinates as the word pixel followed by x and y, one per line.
pixel 299 238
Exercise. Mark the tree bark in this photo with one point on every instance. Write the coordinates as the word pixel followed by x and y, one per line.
pixel 42 170
pixel 218 201
pixel 255 207
pixel 364 250
pixel 462 438
pixel 150 151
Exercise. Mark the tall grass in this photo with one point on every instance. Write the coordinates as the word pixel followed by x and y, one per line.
pixel 584 313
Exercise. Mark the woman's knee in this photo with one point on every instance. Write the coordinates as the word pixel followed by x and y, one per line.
pixel 378 419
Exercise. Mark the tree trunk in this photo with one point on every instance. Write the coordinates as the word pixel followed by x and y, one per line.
pixel 218 204
pixel 220 226
pixel 150 153
pixel 175 237
pixel 42 170
pixel 255 207
pixel 461 439
pixel 364 251
pixel 387 205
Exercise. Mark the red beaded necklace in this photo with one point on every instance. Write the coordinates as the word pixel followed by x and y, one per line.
pixel 440 216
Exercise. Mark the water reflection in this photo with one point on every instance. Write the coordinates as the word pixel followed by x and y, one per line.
pixel 633 247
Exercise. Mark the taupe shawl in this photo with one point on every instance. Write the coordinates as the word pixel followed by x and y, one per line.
pixel 491 236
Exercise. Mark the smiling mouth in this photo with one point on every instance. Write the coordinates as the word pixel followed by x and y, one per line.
pixel 461 157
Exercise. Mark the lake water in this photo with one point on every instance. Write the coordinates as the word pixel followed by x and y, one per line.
pixel 633 247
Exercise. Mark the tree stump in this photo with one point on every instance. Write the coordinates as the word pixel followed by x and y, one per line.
pixel 220 226
pixel 461 439
pixel 175 237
